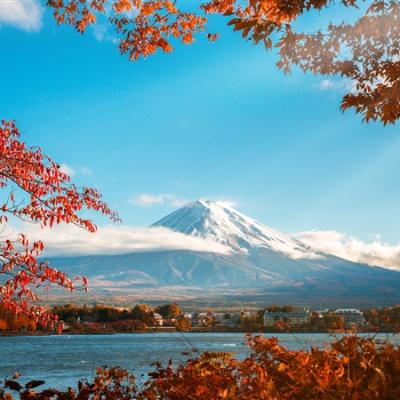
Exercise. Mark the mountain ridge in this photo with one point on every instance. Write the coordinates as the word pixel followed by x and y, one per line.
pixel 259 258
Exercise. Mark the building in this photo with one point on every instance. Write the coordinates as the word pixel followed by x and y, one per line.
pixel 229 322
pixel 294 318
pixel 200 320
pixel 351 316
pixel 158 319
pixel 248 314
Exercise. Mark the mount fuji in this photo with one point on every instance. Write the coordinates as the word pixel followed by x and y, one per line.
pixel 257 264
pixel 221 223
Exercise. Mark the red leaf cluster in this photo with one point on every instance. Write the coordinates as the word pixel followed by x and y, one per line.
pixel 365 52
pixel 352 368
pixel 39 192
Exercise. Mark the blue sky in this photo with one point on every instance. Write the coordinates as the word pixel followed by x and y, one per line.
pixel 208 121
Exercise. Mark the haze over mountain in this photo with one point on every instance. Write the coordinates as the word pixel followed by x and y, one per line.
pixel 257 263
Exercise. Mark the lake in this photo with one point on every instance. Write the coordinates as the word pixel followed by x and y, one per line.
pixel 63 360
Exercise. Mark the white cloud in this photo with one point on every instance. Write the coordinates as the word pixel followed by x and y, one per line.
pixel 375 252
pixel 325 84
pixel 336 85
pixel 66 168
pixel 112 239
pixel 85 170
pixel 99 31
pixel 149 200
pixel 23 14
pixel 228 203
pixel 72 171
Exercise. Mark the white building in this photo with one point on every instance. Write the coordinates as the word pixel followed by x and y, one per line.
pixel 351 316
pixel 229 322
pixel 295 318
pixel 158 319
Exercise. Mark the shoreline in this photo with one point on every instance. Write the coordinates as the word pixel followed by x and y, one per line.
pixel 41 334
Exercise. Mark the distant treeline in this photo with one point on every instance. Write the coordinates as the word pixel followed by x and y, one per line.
pixel 138 318
pixel 142 317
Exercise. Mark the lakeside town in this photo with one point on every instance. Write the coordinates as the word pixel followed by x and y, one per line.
pixel 141 318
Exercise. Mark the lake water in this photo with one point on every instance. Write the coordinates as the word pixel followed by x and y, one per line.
pixel 63 360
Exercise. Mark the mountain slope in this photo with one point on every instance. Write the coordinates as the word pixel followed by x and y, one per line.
pixel 258 258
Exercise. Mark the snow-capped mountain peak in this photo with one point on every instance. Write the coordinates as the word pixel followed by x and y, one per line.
pixel 221 223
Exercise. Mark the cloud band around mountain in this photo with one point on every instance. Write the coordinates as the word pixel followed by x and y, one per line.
pixel 69 240
pixel 112 239
pixel 341 245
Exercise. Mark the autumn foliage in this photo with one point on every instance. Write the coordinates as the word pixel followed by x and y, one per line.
pixel 365 51
pixel 9 321
pixel 36 190
pixel 352 368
